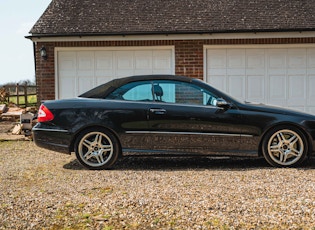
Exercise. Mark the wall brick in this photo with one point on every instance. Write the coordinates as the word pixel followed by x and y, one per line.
pixel 188 56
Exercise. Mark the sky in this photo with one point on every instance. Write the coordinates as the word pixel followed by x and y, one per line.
pixel 17 17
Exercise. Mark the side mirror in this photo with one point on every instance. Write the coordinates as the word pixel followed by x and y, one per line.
pixel 221 103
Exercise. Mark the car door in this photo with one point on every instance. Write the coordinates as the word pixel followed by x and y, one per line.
pixel 186 119
pixel 132 102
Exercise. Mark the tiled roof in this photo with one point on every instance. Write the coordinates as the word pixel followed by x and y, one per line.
pixel 80 17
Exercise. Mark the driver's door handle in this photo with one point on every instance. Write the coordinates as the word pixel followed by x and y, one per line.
pixel 158 111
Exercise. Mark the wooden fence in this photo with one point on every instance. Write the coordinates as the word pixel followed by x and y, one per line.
pixel 21 95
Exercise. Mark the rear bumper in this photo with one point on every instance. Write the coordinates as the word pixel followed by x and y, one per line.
pixel 51 139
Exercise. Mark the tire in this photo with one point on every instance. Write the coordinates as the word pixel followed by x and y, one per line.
pixel 97 148
pixel 285 146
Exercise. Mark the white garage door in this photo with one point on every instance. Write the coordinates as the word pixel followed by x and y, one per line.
pixel 80 70
pixel 282 76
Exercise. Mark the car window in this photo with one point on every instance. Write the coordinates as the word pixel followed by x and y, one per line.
pixel 134 91
pixel 184 93
pixel 164 91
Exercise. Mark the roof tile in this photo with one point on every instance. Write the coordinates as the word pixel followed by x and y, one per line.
pixel 79 17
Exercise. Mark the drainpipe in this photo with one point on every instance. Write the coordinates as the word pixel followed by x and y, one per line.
pixel 35 67
pixel 34 53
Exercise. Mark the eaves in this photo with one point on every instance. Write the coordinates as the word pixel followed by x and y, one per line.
pixel 171 35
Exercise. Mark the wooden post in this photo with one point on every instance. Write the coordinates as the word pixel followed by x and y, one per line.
pixel 8 90
pixel 17 94
pixel 25 95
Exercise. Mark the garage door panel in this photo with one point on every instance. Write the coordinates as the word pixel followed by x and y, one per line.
pixel 67 64
pixel 162 61
pixel 124 63
pixel 85 62
pixel 85 84
pixel 219 82
pixel 216 58
pixel 143 60
pixel 124 59
pixel 297 72
pixel 104 63
pixel 311 58
pixel 256 88
pixel 236 59
pixel 296 58
pixel 236 85
pixel 276 71
pixel 101 80
pixel 277 87
pixel 236 72
pixel 276 58
pixel 255 59
pixel 161 71
pixel 296 92
pixel 277 90
pixel 311 91
pixel 217 72
pixel 67 86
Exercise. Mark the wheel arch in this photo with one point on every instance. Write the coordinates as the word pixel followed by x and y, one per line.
pixel 94 127
pixel 300 128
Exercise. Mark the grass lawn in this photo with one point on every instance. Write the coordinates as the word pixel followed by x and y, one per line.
pixel 32 99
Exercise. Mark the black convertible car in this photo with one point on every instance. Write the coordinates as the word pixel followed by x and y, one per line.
pixel 170 115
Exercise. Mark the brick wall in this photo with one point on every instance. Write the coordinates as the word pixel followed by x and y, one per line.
pixel 188 56
pixel 45 73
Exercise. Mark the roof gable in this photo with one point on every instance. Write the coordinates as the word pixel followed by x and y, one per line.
pixel 107 17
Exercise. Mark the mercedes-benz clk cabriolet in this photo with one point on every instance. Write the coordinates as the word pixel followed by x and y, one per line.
pixel 166 115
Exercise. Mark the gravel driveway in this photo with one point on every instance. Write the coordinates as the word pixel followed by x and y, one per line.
pixel 41 189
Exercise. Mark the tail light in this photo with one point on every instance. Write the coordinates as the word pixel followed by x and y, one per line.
pixel 44 114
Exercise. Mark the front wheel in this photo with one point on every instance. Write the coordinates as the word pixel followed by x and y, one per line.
pixel 97 148
pixel 285 147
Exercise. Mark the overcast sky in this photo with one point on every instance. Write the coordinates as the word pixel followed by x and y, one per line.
pixel 16 52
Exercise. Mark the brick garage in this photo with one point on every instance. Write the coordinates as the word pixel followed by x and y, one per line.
pixel 255 24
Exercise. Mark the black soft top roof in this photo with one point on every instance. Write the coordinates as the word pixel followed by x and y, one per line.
pixel 103 90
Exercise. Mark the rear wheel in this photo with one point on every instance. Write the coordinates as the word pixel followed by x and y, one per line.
pixel 97 148
pixel 285 146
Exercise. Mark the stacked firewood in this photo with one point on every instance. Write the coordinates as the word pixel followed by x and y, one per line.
pixel 3 95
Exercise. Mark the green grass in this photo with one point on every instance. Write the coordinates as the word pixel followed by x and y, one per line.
pixel 32 99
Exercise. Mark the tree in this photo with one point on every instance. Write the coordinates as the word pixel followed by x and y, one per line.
pixel 26 82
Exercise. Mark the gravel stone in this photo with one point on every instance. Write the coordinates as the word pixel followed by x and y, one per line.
pixel 41 189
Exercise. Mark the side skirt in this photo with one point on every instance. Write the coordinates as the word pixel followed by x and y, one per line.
pixel 186 153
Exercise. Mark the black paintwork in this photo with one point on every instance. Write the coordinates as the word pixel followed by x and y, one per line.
pixel 152 126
